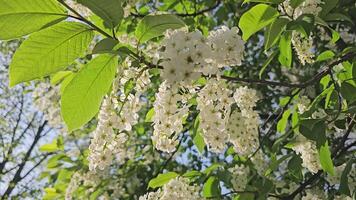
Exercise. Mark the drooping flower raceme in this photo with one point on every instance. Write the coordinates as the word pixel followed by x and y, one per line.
pixel 167 118
pixel 240 176
pixel 308 152
pixel 110 137
pixel 303 47
pixel 243 130
pixel 214 102
pixel 177 188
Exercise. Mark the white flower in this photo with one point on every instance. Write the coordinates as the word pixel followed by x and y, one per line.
pixel 240 176
pixel 187 55
pixel 245 98
pixel 243 131
pixel 303 47
pixel 303 104
pixel 167 118
pixel 308 152
pixel 228 47
pixel 177 189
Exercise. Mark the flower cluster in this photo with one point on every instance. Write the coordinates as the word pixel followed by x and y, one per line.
pixel 243 124
pixel 177 188
pixel 106 142
pixel 167 118
pixel 240 175
pixel 303 103
pixel 307 7
pixel 110 136
pixel 46 99
pixel 243 130
pixel 187 55
pixel 303 47
pixel 79 178
pixel 227 46
pixel 308 152
pixel 214 103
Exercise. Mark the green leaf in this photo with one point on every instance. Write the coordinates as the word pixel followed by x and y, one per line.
pixel 66 81
pixel 49 148
pixel 283 122
pixel 162 179
pixel 199 142
pixel 49 51
pixel 326 55
pixel 211 187
pixel 55 145
pixel 150 115
pixel 274 31
pixel 348 92
pixel 192 174
pixel 82 96
pixel 325 158
pixel 152 26
pixel 197 137
pixel 344 182
pixel 19 17
pixel 110 11
pixel 335 17
pixel 295 3
pixel 285 49
pixel 60 76
pixel 314 129
pixel 105 46
pixel 295 167
pixel 256 18
pixel 274 164
pixel 327 6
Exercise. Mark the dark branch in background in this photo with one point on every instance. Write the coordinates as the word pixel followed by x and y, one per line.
pixel 334 155
pixel 11 146
pixel 196 13
pixel 17 177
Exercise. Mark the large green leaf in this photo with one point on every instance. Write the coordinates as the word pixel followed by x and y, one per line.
pixel 162 179
pixel 256 18
pixel 19 17
pixel 109 10
pixel 82 96
pixel 211 187
pixel 153 26
pixel 49 51
pixel 285 49
pixel 325 158
pixel 274 31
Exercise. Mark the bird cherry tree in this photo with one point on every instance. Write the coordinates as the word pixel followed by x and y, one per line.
pixel 200 99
